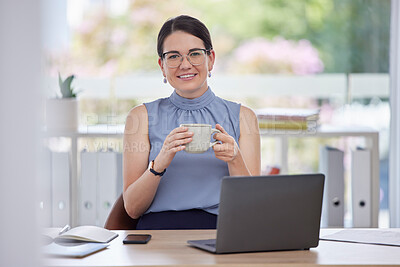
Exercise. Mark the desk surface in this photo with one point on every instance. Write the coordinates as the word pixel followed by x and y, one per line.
pixel 169 248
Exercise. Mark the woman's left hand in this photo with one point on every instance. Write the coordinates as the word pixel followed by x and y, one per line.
pixel 228 149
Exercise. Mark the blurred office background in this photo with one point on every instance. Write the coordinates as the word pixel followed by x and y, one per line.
pixel 326 54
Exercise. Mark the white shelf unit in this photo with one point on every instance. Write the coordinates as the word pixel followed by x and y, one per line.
pixel 371 137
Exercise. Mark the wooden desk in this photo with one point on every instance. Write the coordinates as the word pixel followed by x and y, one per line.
pixel 169 248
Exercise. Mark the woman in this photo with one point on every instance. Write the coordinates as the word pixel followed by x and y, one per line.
pixel 168 188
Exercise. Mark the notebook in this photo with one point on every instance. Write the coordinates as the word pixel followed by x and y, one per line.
pixel 267 213
pixel 88 233
pixel 76 242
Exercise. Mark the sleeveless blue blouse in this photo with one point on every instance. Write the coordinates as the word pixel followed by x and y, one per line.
pixel 192 181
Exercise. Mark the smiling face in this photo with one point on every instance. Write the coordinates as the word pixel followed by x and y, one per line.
pixel 189 81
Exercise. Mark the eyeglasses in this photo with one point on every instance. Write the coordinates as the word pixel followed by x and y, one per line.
pixel 196 57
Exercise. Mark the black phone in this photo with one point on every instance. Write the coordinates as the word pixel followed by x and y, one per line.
pixel 137 239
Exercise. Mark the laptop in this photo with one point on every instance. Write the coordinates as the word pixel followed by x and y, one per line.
pixel 267 213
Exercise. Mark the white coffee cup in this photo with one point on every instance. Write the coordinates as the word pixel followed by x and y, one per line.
pixel 201 137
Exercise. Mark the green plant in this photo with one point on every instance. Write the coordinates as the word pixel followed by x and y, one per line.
pixel 67 91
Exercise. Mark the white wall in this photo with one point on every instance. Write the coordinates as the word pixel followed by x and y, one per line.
pixel 19 92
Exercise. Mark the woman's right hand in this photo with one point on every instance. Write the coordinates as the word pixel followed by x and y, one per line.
pixel 173 143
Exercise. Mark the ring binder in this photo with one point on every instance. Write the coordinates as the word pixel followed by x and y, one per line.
pixel 331 164
pixel 361 188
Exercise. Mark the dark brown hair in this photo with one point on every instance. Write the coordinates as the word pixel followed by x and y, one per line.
pixel 186 24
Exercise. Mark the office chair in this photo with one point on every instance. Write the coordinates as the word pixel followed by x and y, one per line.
pixel 118 219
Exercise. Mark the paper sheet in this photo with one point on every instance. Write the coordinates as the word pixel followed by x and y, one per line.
pixel 78 251
pixel 378 237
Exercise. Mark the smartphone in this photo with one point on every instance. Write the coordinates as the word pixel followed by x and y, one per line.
pixel 137 239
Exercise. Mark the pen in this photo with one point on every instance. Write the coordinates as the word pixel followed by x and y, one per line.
pixel 64 229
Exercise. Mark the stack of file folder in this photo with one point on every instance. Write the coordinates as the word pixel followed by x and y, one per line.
pixel 288 118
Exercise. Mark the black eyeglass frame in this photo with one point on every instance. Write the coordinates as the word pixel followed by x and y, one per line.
pixel 206 52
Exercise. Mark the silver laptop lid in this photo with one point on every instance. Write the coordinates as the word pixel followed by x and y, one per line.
pixel 261 213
